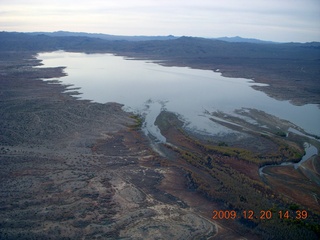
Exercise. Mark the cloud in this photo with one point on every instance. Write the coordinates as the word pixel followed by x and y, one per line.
pixel 267 19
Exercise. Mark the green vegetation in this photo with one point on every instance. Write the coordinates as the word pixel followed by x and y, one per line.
pixel 138 122
pixel 281 134
pixel 285 152
pixel 229 176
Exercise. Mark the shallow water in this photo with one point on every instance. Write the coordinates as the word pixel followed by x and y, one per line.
pixel 310 151
pixel 147 88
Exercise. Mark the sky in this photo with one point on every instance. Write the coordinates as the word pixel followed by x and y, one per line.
pixel 275 20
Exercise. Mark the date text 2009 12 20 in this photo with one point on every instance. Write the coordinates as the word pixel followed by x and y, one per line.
pixel 262 215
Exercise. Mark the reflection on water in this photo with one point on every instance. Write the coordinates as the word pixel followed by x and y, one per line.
pixel 147 88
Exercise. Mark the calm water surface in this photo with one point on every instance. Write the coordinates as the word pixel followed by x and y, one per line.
pixel 147 88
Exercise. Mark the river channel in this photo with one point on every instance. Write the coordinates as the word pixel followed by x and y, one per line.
pixel 147 88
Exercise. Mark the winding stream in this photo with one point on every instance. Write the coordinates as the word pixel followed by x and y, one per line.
pixel 310 151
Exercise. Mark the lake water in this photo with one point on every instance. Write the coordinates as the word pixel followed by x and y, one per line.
pixel 147 88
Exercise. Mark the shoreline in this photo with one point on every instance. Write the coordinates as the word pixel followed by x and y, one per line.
pixel 278 83
pixel 154 130
pixel 76 168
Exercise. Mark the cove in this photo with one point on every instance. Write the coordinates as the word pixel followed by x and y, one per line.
pixel 147 88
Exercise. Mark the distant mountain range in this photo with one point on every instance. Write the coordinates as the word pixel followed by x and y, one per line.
pixel 103 36
pixel 240 39
pixel 139 38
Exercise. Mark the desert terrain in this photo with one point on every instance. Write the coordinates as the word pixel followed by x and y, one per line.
pixel 75 169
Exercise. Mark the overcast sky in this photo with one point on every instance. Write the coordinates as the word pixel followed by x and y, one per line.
pixel 276 20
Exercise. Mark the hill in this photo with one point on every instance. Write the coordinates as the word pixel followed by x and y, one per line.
pixel 240 39
pixel 103 36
